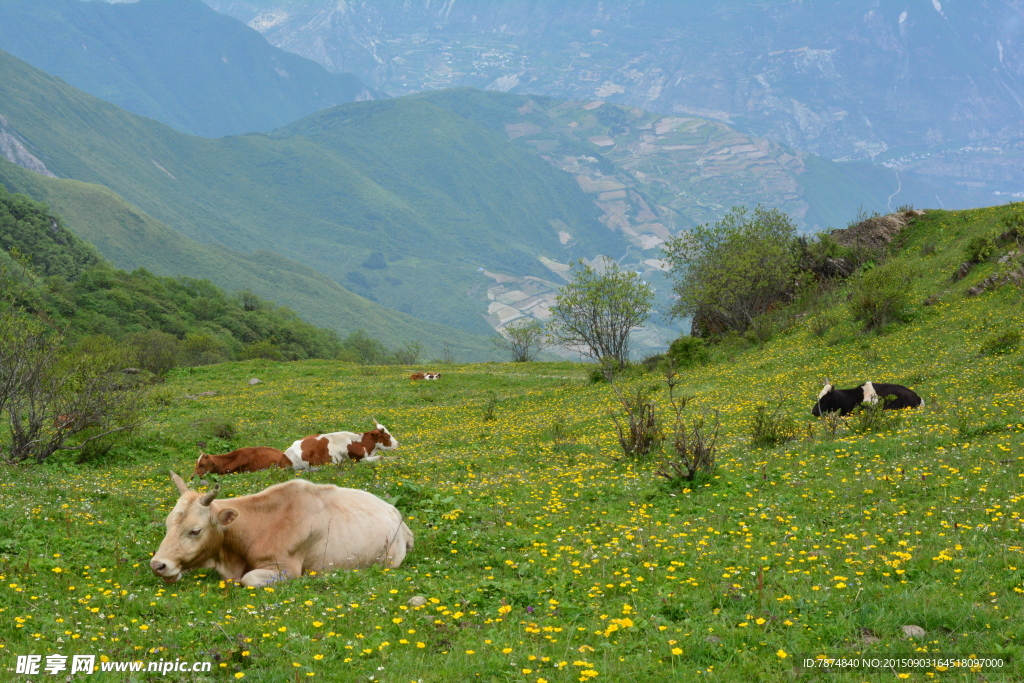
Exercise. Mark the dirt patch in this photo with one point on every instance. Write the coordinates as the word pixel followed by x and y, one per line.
pixel 875 233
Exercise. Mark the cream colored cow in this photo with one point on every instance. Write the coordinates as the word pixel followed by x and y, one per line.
pixel 279 533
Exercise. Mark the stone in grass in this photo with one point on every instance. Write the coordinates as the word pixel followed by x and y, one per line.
pixel 912 631
pixel 417 601
pixel 253 382
pixel 712 639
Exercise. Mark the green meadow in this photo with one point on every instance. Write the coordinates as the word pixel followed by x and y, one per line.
pixel 540 554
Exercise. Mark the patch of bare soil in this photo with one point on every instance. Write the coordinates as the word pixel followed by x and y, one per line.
pixel 875 233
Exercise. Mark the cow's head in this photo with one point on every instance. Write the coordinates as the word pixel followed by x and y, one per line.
pixel 195 532
pixel 382 438
pixel 204 465
pixel 828 401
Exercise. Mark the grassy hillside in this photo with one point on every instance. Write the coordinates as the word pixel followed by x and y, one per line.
pixel 326 200
pixel 546 559
pixel 175 61
pixel 132 239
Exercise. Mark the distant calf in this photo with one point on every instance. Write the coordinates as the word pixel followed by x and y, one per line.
pixel 336 447
pixel 425 375
pixel 893 396
pixel 241 460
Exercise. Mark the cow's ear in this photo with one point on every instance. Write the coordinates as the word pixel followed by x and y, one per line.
pixel 226 516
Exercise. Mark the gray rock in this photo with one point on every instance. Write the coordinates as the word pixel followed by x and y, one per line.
pixel 253 382
pixel 417 601
pixel 912 631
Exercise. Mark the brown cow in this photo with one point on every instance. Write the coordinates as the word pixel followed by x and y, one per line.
pixel 322 449
pixel 241 460
pixel 425 375
pixel 279 533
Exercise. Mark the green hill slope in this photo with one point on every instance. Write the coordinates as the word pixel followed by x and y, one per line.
pixel 132 239
pixel 176 61
pixel 439 196
pixel 900 541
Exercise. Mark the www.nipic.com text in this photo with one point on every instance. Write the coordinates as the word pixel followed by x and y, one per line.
pixel 86 664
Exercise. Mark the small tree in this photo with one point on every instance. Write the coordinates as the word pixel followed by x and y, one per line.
pixel 59 398
pixel 596 312
pixel 523 338
pixel 731 272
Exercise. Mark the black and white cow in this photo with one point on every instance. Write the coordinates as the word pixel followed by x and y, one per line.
pixel 893 396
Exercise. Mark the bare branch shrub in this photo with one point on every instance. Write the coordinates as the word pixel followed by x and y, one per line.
pixel 691 446
pixel 59 398
pixel 638 432
pixel 874 417
pixel 831 423
pixel 770 426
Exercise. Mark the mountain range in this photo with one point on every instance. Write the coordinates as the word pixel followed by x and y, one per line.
pixel 176 61
pixel 931 89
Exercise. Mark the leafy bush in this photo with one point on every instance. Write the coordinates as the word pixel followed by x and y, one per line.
pixel 687 352
pixel 881 296
pixel 201 348
pixel 729 273
pixel 980 248
pixel 523 338
pixel 155 351
pixel 265 349
pixel 1004 342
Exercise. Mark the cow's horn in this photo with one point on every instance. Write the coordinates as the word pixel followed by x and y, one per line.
pixel 210 495
pixel 179 483
pixel 375 423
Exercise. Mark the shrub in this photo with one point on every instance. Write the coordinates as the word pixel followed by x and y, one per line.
pixel 490 407
pixel 881 296
pixel 874 417
pixel 822 322
pixel 218 427
pixel 980 248
pixel 687 352
pixel 523 338
pixel 638 431
pixel 770 427
pixel 729 273
pixel 201 348
pixel 408 353
pixel 1004 342
pixel 262 349
pixel 155 351
pixel 692 443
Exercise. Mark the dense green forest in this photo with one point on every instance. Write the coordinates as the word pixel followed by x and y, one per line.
pixel 171 320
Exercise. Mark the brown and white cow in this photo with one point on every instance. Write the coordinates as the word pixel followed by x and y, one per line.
pixel 279 533
pixel 241 460
pixel 321 449
pixel 425 375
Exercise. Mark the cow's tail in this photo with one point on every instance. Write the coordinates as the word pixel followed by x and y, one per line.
pixel 407 537
pixel 398 546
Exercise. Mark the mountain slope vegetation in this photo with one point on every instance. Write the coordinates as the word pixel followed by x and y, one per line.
pixel 176 61
pixel 68 283
pixel 131 239
pixel 438 196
